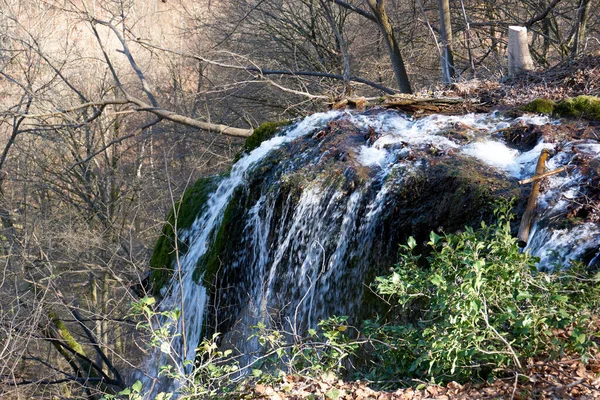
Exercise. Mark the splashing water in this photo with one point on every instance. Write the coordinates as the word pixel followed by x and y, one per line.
pixel 305 248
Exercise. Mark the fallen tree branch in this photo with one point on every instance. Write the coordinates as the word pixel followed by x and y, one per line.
pixel 523 234
pixel 546 174
pixel 191 122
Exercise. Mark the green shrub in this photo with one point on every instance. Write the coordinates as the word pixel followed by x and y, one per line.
pixel 479 308
pixel 322 351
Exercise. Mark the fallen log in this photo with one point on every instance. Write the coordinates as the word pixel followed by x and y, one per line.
pixel 523 234
pixel 427 106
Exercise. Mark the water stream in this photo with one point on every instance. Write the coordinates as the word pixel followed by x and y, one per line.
pixel 314 217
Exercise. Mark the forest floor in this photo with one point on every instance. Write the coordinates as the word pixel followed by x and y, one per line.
pixel 567 378
pixel 566 79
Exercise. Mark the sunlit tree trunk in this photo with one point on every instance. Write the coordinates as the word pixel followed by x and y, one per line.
pixel 448 72
pixel 383 22
pixel 519 58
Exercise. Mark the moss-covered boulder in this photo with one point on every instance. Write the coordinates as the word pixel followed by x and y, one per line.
pixel 579 107
pixel 587 107
pixel 182 216
pixel 540 106
pixel 264 132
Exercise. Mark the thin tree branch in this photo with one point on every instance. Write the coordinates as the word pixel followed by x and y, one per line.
pixel 115 141
pixel 95 345
pixel 357 10
pixel 542 15
pixel 136 68
pixel 271 72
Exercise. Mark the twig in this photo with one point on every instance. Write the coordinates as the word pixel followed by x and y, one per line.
pixel 546 174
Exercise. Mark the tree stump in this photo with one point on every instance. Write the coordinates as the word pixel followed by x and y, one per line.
pixel 519 59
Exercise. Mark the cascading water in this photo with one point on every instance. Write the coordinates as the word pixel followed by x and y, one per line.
pixel 302 223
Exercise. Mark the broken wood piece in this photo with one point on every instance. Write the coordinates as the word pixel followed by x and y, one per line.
pixel 523 234
pixel 546 174
pixel 358 103
pixel 340 104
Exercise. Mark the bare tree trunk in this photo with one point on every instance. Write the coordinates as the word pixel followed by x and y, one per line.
pixel 448 72
pixel 581 24
pixel 343 47
pixel 519 59
pixel 383 22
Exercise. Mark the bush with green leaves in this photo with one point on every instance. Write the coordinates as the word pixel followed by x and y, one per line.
pixel 211 371
pixel 216 373
pixel 321 351
pixel 477 306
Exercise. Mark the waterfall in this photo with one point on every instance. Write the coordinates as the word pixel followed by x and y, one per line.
pixel 313 213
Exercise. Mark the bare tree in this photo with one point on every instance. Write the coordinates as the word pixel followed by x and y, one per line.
pixel 448 72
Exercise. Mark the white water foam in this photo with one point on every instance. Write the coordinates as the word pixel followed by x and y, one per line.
pixel 183 292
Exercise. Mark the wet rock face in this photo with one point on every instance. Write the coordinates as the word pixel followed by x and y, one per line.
pixel 305 221
pixel 316 222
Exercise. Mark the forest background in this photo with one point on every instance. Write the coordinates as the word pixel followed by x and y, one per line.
pixel 110 109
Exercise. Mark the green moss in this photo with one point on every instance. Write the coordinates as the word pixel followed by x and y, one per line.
pixel 225 240
pixel 264 132
pixel 210 263
pixel 579 107
pixel 186 210
pixel 66 334
pixel 540 106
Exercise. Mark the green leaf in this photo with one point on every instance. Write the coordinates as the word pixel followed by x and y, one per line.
pixel 412 243
pixel 523 295
pixel 333 394
pixel 434 238
pixel 437 280
pixel 137 386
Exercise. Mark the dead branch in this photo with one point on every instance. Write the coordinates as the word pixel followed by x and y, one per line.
pixel 357 10
pixel 546 174
pixel 262 72
pixel 134 66
pixel 523 234
pixel 154 108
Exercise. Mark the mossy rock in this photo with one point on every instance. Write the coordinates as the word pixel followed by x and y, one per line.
pixel 264 132
pixel 579 107
pixel 187 209
pixel 540 106
pixel 221 246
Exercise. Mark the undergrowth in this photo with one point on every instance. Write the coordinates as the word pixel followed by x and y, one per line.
pixel 477 307
pixel 473 308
